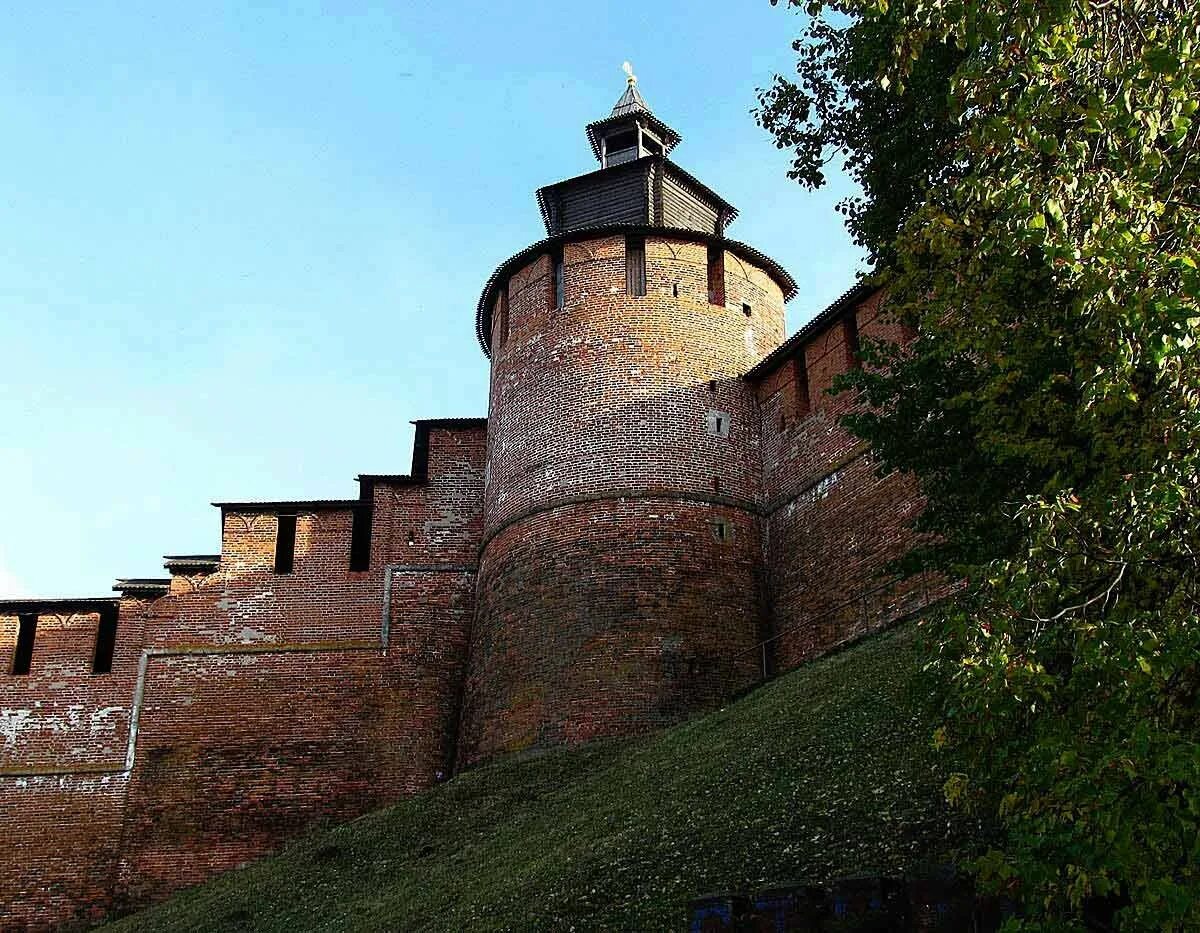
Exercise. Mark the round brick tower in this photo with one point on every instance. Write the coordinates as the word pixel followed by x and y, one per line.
pixel 620 571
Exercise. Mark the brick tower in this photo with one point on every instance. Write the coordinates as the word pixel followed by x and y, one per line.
pixel 621 565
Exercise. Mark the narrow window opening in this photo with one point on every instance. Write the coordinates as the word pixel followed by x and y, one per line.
pixel 285 544
pixel 712 385
pixel 106 641
pixel 718 423
pixel 746 309
pixel 674 289
pixel 23 658
pixel 360 539
pixel 635 267
pixel 716 275
pixel 412 538
pixel 560 292
pixel 850 336
pixel 783 421
pixel 502 324
pixel 721 530
pixel 716 484
pixel 800 377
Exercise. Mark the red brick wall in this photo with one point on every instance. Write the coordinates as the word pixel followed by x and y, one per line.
pixel 58 858
pixel 60 715
pixel 608 618
pixel 605 598
pixel 831 524
pixel 269 701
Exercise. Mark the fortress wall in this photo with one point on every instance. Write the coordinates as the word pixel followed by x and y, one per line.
pixel 604 619
pixel 238 753
pixel 61 840
pixel 832 524
pixel 439 518
pixel 621 561
pixel 268 702
pixel 61 715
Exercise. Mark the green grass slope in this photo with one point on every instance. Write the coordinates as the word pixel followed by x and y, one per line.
pixel 826 771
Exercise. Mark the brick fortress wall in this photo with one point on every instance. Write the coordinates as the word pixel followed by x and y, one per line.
pixel 621 558
pixel 264 702
pixel 603 556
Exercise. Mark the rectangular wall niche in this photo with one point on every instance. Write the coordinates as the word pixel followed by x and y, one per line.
pixel 23 657
pixel 360 538
pixel 718 423
pixel 635 267
pixel 285 544
pixel 106 641
pixel 716 275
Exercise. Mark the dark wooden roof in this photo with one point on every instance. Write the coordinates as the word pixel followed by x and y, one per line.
pixel 177 564
pixel 851 298
pixel 33 606
pixel 306 505
pixel 483 309
pixel 641 191
pixel 144 586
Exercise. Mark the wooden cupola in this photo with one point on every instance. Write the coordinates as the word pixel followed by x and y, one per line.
pixel 636 183
pixel 631 131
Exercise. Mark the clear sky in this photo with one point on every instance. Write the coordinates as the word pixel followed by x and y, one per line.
pixel 241 246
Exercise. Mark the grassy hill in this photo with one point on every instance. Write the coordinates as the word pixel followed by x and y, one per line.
pixel 826 771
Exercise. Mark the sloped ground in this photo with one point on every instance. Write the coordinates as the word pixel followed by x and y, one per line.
pixel 825 772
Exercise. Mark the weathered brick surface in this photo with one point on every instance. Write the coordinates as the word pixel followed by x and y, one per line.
pixel 607 618
pixel 61 715
pixel 60 842
pixel 832 525
pixel 608 603
pixel 268 701
pixel 605 555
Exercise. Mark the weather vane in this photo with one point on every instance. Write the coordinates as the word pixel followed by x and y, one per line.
pixel 628 69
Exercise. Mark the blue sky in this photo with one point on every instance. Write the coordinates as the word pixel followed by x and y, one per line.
pixel 242 244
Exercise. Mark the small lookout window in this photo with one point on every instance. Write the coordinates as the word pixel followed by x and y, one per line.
pixel 635 267
pixel 716 275
pixel 718 423
pixel 23 657
pixel 560 291
pixel 106 641
pixel 850 337
pixel 360 539
pixel 502 316
pixel 800 378
pixel 285 544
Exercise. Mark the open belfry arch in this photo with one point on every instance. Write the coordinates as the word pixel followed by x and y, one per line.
pixel 660 510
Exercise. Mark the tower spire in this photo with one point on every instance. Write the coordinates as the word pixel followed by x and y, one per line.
pixel 631 130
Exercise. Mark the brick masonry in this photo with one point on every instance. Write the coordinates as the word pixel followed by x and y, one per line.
pixel 647 504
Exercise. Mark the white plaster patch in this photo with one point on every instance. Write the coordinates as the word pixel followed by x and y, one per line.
pixel 11 721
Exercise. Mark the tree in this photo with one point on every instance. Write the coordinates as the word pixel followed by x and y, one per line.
pixel 1050 408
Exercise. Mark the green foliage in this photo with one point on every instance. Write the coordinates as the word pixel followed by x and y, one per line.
pixel 1050 407
pixel 893 146
pixel 619 836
